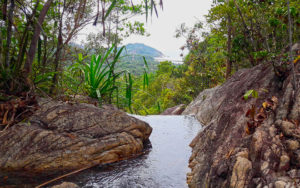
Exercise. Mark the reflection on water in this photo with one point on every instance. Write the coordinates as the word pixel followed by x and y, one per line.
pixel 165 164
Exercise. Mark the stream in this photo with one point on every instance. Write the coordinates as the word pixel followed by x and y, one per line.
pixel 164 164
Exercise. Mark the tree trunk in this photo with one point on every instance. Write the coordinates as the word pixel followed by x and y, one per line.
pixel 290 45
pixel 228 63
pixel 58 52
pixel 24 38
pixel 247 32
pixel 45 52
pixel 4 9
pixel 9 31
pixel 35 37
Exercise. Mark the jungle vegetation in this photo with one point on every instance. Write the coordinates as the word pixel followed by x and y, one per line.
pixel 37 54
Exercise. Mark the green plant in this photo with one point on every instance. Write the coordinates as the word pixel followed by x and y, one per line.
pixel 99 74
pixel 129 84
pixel 252 92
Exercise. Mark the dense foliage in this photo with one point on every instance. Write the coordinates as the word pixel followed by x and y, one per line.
pixel 237 34
pixel 37 53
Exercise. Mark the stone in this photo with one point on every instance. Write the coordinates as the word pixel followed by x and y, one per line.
pixel 296 159
pixel 73 136
pixel 244 154
pixel 203 107
pixel 176 110
pixel 284 162
pixel 66 185
pixel 293 145
pixel 280 184
pixel 287 128
pixel 240 172
pixel 222 110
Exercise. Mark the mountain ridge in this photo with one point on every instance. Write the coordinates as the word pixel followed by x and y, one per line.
pixel 142 49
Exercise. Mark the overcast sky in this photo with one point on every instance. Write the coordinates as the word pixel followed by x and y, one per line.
pixel 162 29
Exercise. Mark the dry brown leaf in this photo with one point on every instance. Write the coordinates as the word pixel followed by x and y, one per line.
pixel 229 153
pixel 4 121
pixel 71 136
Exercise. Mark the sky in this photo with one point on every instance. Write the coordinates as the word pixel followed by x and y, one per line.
pixel 162 29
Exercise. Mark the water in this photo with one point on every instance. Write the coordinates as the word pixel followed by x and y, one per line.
pixel 164 164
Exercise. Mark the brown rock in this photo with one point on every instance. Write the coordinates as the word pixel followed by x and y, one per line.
pixel 287 128
pixel 293 145
pixel 296 159
pixel 61 136
pixel 66 185
pixel 223 110
pixel 204 106
pixel 284 162
pixel 240 173
pixel 280 184
pixel 176 110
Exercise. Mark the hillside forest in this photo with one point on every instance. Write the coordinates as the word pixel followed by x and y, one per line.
pixel 38 55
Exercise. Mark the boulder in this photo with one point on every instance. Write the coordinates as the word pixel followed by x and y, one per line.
pixel 204 106
pixel 176 110
pixel 64 136
pixel 247 143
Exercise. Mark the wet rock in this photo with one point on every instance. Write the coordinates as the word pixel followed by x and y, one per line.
pixel 66 185
pixel 62 137
pixel 176 110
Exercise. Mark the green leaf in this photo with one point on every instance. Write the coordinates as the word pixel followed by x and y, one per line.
pixel 80 58
pixel 145 62
pixel 255 94
pixel 110 8
pixel 247 94
pixel 252 92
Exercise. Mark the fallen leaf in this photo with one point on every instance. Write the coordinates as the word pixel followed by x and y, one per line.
pixel 4 121
pixel 71 136
pixel 229 153
pixel 247 130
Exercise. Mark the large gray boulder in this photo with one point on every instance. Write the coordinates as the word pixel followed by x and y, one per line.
pixel 240 147
pixel 64 136
pixel 204 106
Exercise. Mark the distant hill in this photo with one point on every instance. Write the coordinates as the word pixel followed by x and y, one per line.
pixel 132 58
pixel 142 50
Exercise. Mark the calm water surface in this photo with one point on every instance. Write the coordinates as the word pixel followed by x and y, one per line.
pixel 164 164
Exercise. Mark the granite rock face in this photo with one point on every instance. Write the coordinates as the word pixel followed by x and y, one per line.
pixel 62 137
pixel 247 143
